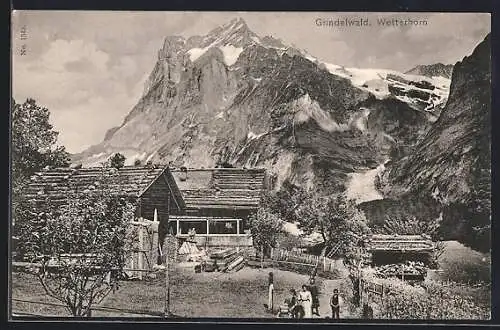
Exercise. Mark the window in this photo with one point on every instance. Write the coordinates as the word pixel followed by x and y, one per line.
pixel 223 227
pixel 199 226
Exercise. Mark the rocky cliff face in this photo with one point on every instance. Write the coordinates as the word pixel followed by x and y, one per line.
pixel 433 70
pixel 452 163
pixel 232 97
pixel 448 162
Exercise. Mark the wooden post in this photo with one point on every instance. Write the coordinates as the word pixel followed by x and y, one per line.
pixel 382 297
pixel 140 258
pixel 166 253
pixel 238 226
pixel 402 267
pixel 207 237
pixel 262 256
pixel 360 287
pixel 132 256
pixel 168 283
pixel 167 280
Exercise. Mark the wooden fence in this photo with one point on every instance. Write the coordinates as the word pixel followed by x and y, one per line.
pixel 322 263
pixel 375 292
pixel 371 287
pixel 311 264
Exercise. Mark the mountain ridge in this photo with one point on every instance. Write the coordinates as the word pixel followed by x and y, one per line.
pixel 432 70
pixel 451 164
pixel 233 97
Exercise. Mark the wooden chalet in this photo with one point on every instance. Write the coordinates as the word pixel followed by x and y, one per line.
pixel 154 189
pixel 219 202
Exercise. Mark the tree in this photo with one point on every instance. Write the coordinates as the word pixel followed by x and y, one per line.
pixel 469 220
pixel 137 162
pixel 117 160
pixel 336 218
pixel 286 201
pixel 33 144
pixel 80 245
pixel 265 227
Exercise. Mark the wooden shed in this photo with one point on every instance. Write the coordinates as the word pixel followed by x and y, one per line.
pixel 219 202
pixel 388 249
pixel 154 189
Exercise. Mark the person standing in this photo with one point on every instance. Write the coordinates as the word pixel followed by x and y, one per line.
pixel 315 296
pixel 335 304
pixel 305 300
pixel 270 292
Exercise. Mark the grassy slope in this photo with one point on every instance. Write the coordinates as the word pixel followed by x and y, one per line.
pixel 240 294
pixel 462 264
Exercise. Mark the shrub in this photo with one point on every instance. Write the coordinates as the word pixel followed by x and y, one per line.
pixel 464 271
pixel 435 302
pixel 288 242
pixel 265 227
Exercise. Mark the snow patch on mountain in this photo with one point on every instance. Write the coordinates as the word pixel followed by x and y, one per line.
pixel 308 109
pixel 431 91
pixel 361 185
pixel 231 53
pixel 139 156
pixel 252 136
pixel 195 53
pixel 361 121
pixel 97 155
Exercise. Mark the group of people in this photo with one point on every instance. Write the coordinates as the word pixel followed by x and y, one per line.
pixel 305 303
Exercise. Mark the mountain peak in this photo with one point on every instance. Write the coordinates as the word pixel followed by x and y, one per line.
pixel 236 33
pixel 237 23
pixel 432 70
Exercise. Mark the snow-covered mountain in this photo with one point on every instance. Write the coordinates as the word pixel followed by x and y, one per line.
pixel 454 156
pixel 450 167
pixel 418 91
pixel 233 97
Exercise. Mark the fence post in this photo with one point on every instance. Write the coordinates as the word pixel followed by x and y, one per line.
pixel 131 261
pixel 262 257
pixel 140 258
pixel 382 298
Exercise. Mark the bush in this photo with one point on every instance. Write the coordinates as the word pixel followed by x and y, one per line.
pixel 435 302
pixel 265 228
pixel 464 271
pixel 288 241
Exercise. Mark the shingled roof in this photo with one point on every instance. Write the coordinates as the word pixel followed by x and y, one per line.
pixel 387 243
pixel 130 181
pixel 221 188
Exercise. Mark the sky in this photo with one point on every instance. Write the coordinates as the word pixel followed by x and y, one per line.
pixel 89 68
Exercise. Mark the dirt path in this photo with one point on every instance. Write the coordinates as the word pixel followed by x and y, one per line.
pixel 326 291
